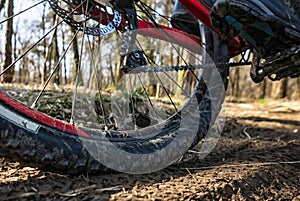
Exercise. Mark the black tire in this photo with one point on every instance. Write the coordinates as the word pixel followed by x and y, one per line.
pixel 26 137
pixel 58 151
pixel 294 6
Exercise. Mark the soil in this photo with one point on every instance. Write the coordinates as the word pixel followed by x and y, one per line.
pixel 256 158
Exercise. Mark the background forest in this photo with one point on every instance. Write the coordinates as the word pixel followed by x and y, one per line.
pixel 19 34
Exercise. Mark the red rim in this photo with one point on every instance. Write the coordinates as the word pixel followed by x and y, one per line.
pixel 41 117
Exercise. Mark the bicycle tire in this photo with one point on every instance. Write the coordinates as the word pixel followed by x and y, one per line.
pixel 294 6
pixel 59 151
pixel 38 140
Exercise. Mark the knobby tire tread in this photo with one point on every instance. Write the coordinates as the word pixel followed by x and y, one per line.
pixel 57 151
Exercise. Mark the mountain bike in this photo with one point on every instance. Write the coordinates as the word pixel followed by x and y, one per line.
pixel 143 92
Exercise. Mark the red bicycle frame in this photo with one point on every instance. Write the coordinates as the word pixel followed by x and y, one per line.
pixel 159 31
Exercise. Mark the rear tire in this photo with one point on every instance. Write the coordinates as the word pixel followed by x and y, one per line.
pixel 35 139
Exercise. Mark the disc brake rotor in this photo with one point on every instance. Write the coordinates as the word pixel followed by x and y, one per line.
pixel 87 17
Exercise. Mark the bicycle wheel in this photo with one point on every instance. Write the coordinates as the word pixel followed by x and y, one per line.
pixel 135 121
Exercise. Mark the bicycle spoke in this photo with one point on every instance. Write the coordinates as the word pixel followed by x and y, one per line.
pixel 172 80
pixel 98 85
pixel 27 9
pixel 33 46
pixel 54 70
pixel 109 101
pixel 72 120
pixel 168 95
pixel 143 8
pixel 148 97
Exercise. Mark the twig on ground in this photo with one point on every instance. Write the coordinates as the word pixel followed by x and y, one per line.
pixel 244 132
pixel 26 195
pixel 76 192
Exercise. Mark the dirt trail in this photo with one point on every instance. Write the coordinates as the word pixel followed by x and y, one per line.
pixel 257 158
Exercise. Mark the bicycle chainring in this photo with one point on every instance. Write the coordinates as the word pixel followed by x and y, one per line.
pixel 85 17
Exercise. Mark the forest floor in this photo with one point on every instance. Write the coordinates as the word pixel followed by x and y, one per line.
pixel 256 158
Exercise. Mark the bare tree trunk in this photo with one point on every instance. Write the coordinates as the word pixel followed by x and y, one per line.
pixel 264 89
pixel 56 56
pixel 38 73
pixel 15 43
pixel 113 79
pixel 20 71
pixel 65 63
pixel 2 3
pixel 119 73
pixel 9 75
pixel 92 84
pixel 45 70
pixel 298 84
pixel 237 83
pixel 17 51
pixel 284 88
pixel 24 74
pixel 76 60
